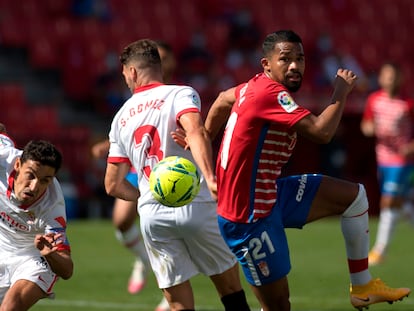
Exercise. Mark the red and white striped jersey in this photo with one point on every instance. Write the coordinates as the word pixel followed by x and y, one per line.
pixel 257 143
pixel 394 125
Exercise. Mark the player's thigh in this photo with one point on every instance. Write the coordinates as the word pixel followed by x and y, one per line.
pixel 260 247
pixel 332 198
pixel 227 282
pixel 168 253
pixel 22 295
pixel 124 214
pixel 202 237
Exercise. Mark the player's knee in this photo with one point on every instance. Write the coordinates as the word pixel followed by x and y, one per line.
pixel 359 206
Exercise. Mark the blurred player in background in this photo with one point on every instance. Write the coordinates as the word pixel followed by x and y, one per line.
pixel 181 242
pixel 389 117
pixel 255 205
pixel 34 250
pixel 124 214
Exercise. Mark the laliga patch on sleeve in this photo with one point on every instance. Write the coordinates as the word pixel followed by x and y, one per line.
pixel 195 100
pixel 286 101
pixel 5 141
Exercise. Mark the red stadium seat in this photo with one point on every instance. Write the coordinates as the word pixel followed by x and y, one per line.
pixel 12 31
pixel 55 8
pixel 43 53
pixel 12 95
pixel 44 121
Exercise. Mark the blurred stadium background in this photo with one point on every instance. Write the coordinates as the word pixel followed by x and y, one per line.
pixel 60 77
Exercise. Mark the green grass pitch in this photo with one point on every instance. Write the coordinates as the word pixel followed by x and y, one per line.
pixel 318 280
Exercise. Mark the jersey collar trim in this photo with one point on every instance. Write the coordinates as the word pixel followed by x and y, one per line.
pixel 10 183
pixel 147 87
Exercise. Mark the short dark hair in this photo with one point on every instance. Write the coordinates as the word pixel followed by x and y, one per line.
pixel 143 52
pixel 43 152
pixel 276 37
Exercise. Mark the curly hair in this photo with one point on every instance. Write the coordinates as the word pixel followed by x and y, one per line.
pixel 43 152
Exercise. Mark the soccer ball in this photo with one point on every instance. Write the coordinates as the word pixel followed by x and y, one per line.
pixel 174 181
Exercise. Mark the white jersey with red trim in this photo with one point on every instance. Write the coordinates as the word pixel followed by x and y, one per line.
pixel 141 132
pixel 18 224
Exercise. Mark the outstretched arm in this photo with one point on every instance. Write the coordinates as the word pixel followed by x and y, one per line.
pixel 322 128
pixel 199 142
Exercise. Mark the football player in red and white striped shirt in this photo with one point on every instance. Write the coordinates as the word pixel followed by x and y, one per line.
pixel 389 117
pixel 255 205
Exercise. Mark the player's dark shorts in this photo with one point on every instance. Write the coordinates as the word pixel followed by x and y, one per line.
pixel 261 247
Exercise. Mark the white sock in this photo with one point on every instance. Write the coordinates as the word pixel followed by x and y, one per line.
pixel 388 218
pixel 132 240
pixel 355 230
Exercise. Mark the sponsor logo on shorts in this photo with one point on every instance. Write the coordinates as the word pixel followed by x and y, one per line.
pixel 41 279
pixel 301 189
pixel 42 262
pixel 264 268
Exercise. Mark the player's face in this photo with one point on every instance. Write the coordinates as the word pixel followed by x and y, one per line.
pixel 389 78
pixel 31 181
pixel 286 65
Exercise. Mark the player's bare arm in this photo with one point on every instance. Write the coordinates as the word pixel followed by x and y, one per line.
pixel 408 149
pixel 100 149
pixel 60 260
pixel 180 139
pixel 368 128
pixel 322 128
pixel 116 185
pixel 219 112
pixel 217 116
pixel 199 143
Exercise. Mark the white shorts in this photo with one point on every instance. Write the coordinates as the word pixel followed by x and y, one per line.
pixel 23 267
pixel 183 242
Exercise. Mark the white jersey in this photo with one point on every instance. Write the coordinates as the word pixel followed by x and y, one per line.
pixel 20 224
pixel 141 132
pixel 180 242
